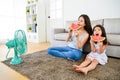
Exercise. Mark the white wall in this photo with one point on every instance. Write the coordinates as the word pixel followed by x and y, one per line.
pixel 95 9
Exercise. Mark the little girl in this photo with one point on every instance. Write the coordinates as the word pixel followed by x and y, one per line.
pixel 97 54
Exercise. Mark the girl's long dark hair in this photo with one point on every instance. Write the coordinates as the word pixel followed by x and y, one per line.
pixel 103 33
pixel 88 26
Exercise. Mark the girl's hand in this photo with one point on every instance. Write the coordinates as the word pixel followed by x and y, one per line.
pixel 91 41
pixel 101 47
pixel 92 45
pixel 100 44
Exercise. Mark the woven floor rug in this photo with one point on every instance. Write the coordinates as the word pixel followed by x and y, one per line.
pixel 41 66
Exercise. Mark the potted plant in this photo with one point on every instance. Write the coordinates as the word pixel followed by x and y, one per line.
pixel 27 10
pixel 34 19
pixel 32 1
pixel 28 1
pixel 30 28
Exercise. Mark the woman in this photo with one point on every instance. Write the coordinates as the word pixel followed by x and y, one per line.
pixel 77 39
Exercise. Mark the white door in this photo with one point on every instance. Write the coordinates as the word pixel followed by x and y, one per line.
pixel 47 19
pixel 43 20
pixel 56 16
pixel 53 16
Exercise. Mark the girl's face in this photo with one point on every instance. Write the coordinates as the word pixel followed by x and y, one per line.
pixel 81 22
pixel 97 31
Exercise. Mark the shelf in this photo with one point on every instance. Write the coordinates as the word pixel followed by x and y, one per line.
pixel 31 15
pixel 31 2
pixel 35 19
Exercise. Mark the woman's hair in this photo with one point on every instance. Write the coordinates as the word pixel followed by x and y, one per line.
pixel 103 33
pixel 88 26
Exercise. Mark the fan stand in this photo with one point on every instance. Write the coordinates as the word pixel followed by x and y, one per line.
pixel 16 59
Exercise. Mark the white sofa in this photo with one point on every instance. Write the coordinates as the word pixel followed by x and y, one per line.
pixel 112 27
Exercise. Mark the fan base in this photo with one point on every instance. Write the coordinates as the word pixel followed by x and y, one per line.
pixel 15 61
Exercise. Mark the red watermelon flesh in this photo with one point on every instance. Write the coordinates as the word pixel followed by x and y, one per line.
pixel 97 38
pixel 75 26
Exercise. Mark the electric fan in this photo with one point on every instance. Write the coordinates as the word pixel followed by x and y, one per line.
pixel 19 43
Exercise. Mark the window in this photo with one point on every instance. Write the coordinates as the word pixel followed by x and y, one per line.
pixel 56 13
pixel 12 17
pixel 56 7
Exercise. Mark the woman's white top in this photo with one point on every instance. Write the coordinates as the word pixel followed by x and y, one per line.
pixel 72 43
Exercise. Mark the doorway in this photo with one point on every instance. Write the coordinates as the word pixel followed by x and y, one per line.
pixel 54 16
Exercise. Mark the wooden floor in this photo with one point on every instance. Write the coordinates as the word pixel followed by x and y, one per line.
pixel 7 73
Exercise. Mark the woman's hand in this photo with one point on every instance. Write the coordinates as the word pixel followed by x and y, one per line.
pixel 69 30
pixel 69 34
pixel 76 33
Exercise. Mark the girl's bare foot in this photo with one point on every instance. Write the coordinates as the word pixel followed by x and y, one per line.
pixel 75 66
pixel 83 70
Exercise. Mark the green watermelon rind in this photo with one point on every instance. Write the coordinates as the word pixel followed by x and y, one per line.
pixel 100 40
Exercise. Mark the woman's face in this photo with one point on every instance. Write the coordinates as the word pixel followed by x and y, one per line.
pixel 97 31
pixel 81 22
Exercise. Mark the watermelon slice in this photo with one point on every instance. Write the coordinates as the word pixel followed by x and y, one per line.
pixel 74 26
pixel 97 38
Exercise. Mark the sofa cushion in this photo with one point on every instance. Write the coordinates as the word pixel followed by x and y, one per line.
pixel 114 39
pixel 60 36
pixel 96 22
pixel 112 25
pixel 113 51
